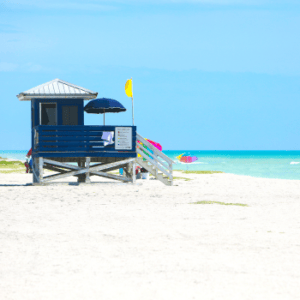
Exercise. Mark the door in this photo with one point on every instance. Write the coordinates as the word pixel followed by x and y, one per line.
pixel 48 114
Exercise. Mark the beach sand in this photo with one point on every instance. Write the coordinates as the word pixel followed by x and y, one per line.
pixel 109 240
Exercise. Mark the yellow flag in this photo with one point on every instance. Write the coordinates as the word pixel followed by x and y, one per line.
pixel 128 87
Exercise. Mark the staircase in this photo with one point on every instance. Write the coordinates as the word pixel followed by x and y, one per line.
pixel 157 163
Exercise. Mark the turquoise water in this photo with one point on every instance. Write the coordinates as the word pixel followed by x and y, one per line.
pixel 14 154
pixel 266 164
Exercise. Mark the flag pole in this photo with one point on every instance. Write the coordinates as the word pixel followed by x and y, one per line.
pixel 132 102
pixel 129 93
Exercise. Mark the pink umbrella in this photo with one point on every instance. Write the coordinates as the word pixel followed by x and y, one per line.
pixel 156 145
pixel 188 159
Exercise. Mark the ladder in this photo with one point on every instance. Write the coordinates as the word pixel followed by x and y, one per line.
pixel 154 161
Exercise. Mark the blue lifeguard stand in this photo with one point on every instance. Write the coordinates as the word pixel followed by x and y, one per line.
pixel 59 139
pixel 59 136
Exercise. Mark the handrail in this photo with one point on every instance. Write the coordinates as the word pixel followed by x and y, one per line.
pixel 154 162
pixel 151 156
pixel 156 159
pixel 156 151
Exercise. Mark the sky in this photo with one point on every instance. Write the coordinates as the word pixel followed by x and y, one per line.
pixel 207 74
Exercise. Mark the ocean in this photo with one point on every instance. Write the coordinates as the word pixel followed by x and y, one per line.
pixel 265 164
pixel 14 154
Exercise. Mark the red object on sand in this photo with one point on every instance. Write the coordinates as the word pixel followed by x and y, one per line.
pixel 137 169
pixel 29 153
pixel 27 167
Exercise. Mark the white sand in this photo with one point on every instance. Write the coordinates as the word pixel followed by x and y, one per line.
pixel 118 241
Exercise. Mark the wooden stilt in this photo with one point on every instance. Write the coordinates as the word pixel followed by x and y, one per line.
pixel 133 172
pixel 35 170
pixel 127 172
pixel 41 170
pixel 87 164
pixel 81 177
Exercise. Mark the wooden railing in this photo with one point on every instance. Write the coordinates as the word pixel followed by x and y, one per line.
pixel 81 141
pixel 154 161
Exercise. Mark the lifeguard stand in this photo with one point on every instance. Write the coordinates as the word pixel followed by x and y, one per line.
pixel 59 136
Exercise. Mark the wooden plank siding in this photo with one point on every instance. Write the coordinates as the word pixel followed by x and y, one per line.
pixel 77 141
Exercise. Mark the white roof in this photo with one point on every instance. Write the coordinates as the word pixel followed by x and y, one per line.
pixel 58 88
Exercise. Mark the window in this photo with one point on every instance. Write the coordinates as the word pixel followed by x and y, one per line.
pixel 48 114
pixel 70 115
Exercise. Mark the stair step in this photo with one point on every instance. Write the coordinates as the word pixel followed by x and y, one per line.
pixel 154 171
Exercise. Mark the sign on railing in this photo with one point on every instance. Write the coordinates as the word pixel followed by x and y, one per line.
pixel 123 138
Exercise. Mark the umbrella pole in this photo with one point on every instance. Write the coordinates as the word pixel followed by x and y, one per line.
pixel 104 119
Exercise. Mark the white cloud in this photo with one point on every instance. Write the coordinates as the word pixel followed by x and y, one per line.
pixel 31 67
pixel 8 67
pixel 27 67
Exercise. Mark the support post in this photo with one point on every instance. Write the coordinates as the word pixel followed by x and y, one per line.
pixel 133 172
pixel 128 171
pixel 87 165
pixel 171 171
pixel 41 169
pixel 36 170
pixel 81 177
pixel 155 159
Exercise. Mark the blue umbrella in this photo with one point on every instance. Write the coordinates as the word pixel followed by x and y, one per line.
pixel 104 105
